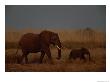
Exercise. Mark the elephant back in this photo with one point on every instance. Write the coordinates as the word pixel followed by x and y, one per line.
pixel 29 40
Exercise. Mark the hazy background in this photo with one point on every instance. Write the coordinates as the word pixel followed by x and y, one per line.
pixel 73 23
pixel 55 16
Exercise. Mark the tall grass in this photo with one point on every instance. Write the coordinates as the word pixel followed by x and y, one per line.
pixel 65 44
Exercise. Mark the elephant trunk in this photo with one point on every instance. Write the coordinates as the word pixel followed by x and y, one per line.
pixel 59 51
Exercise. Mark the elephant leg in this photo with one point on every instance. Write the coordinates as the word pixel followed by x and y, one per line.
pixel 70 56
pixel 47 51
pixel 26 59
pixel 41 57
pixel 22 57
pixel 83 57
pixel 74 58
pixel 25 53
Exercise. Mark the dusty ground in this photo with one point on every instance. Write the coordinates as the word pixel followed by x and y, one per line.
pixel 63 65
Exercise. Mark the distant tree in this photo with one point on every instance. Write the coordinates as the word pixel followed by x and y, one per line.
pixel 88 35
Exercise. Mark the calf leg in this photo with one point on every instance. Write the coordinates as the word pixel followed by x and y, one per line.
pixel 83 57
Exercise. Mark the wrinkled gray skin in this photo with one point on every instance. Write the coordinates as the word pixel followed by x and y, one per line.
pixel 79 53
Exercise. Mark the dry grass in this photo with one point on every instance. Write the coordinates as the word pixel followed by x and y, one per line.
pixel 55 68
pixel 63 65
pixel 70 39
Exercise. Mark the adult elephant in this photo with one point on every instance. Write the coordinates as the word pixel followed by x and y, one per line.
pixel 79 53
pixel 33 43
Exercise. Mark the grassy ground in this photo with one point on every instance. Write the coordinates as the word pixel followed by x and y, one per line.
pixel 70 38
pixel 63 65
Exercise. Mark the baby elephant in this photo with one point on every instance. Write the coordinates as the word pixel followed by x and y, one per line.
pixel 79 53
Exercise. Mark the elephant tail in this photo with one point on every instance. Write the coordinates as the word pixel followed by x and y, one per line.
pixel 17 56
pixel 17 50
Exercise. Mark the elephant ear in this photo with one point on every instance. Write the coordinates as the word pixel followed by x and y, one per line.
pixel 53 37
pixel 45 37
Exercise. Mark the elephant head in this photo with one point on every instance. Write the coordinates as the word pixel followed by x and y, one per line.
pixel 85 51
pixel 51 38
pixel 55 41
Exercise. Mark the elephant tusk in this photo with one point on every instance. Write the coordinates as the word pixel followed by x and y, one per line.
pixel 58 47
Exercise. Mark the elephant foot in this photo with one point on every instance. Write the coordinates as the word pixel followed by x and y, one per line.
pixel 40 62
pixel 57 58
